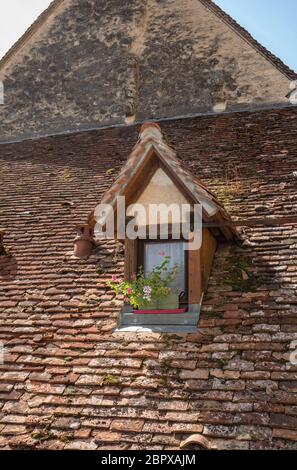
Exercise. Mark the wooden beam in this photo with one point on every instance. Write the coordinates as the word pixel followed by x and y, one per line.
pixel 130 258
pixel 194 276
pixel 209 246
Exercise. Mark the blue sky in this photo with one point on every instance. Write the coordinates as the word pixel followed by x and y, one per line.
pixel 272 22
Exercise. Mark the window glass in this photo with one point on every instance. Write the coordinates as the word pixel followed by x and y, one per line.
pixel 154 255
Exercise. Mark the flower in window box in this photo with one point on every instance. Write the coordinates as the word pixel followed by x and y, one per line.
pixel 144 292
pixel 147 293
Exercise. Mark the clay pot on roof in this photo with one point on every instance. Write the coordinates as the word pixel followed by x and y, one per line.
pixel 84 242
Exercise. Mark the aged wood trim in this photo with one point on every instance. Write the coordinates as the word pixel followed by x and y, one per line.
pixel 130 258
pixel 194 276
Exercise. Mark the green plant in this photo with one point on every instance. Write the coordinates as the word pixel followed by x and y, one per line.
pixel 67 438
pixel 100 270
pixel 240 275
pixel 43 435
pixel 67 176
pixel 144 289
pixel 165 364
pixel 109 379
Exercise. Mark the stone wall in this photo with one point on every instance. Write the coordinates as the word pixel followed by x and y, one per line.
pixel 99 63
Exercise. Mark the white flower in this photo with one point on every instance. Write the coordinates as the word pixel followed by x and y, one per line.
pixel 147 291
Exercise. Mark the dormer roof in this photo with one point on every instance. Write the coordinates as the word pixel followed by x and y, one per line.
pixel 152 144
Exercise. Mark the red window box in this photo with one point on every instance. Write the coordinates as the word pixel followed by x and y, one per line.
pixel 161 312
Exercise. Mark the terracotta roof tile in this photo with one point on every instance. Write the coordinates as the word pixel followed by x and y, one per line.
pixel 68 381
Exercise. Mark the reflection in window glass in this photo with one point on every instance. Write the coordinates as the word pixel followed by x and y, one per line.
pixel 154 255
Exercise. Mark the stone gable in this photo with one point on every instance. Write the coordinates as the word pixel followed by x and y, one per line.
pixel 88 64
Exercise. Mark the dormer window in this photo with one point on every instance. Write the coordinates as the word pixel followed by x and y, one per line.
pixel 156 190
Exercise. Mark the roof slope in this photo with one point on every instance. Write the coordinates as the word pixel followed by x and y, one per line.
pixel 87 64
pixel 68 381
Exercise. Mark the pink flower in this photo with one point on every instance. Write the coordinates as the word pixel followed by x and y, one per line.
pixel 126 299
pixel 129 291
pixel 162 253
pixel 114 278
pixel 133 277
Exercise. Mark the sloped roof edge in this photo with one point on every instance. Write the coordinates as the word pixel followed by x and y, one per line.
pixel 38 23
pixel 244 34
pixel 71 131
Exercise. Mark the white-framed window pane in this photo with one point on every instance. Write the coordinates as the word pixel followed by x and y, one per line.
pixel 154 255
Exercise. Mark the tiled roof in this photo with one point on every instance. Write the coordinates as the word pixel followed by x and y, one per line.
pixel 67 380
